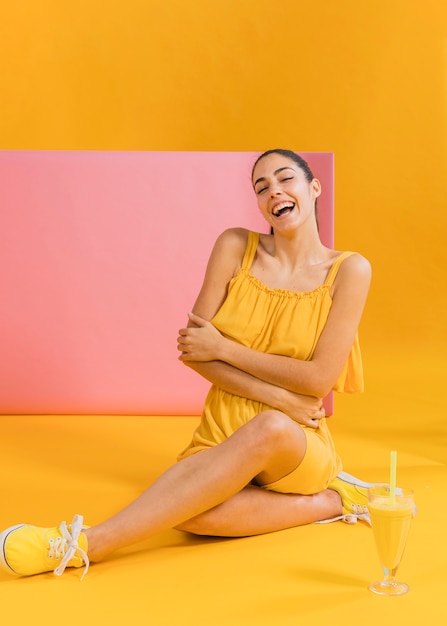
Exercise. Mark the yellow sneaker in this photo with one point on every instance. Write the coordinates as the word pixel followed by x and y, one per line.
pixel 26 550
pixel 354 496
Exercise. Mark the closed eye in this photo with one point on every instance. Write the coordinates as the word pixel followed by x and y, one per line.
pixel 281 180
pixel 261 190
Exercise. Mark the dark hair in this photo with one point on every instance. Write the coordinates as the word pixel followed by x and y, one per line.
pixel 289 154
pixel 293 156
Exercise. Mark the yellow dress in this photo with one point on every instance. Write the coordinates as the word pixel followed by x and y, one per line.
pixel 276 321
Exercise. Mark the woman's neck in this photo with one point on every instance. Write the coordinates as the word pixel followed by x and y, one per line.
pixel 300 250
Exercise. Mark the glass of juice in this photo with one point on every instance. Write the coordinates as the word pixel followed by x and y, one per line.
pixel 391 516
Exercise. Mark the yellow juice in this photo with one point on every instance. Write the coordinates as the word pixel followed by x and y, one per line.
pixel 391 523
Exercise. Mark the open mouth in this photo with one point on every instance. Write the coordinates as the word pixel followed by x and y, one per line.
pixel 283 209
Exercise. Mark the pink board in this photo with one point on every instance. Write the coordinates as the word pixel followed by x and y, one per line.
pixel 102 254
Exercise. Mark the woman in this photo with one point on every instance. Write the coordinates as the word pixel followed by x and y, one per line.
pixel 274 328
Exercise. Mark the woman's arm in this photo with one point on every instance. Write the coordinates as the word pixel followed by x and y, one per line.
pixel 306 410
pixel 224 262
pixel 316 377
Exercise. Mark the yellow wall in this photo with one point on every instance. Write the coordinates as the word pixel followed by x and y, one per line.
pixel 366 80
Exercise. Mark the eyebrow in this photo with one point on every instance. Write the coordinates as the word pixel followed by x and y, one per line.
pixel 276 172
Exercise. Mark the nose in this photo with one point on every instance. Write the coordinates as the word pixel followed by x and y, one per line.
pixel 275 190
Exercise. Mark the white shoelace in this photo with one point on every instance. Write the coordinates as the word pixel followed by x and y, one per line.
pixel 67 546
pixel 348 518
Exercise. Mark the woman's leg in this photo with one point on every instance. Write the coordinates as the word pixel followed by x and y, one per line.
pixel 267 448
pixel 254 511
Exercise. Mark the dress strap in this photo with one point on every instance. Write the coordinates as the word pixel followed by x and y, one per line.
pixel 335 267
pixel 250 251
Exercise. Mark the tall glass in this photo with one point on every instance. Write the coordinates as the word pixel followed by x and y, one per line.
pixel 390 518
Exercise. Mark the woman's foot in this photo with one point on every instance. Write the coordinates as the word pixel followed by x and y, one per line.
pixel 26 550
pixel 353 493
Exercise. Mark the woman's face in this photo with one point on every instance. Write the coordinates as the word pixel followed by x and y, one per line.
pixel 285 197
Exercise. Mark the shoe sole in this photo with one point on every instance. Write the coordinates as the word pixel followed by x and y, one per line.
pixel 3 537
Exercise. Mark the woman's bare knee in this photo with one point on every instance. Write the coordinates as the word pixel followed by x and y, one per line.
pixel 284 443
pixel 276 429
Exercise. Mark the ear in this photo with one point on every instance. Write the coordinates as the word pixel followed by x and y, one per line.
pixel 316 187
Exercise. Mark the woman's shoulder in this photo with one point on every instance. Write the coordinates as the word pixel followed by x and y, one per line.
pixel 351 268
pixel 233 235
pixel 354 263
pixel 228 251
pixel 233 240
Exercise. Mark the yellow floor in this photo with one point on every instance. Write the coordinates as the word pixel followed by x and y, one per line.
pixel 55 466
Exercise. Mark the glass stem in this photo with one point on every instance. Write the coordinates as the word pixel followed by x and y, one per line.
pixel 389 580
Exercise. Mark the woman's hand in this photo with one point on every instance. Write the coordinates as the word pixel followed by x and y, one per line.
pixel 200 341
pixel 306 410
